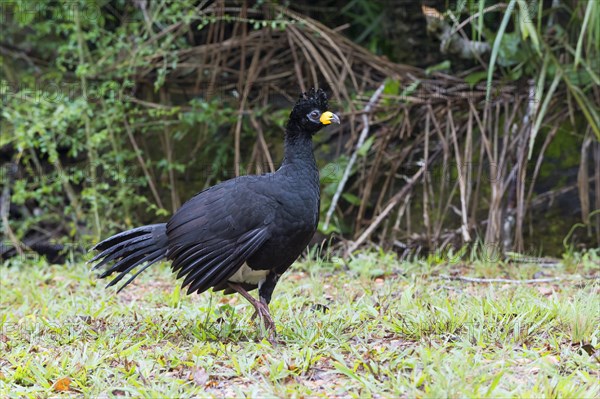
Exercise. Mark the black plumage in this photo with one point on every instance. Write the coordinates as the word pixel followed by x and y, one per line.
pixel 241 234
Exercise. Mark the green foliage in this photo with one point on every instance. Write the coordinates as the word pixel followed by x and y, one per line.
pixel 73 121
pixel 537 46
pixel 367 27
pixel 85 109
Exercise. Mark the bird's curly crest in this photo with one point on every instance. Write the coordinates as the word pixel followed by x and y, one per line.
pixel 314 97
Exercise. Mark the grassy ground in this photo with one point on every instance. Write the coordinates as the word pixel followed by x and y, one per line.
pixel 374 327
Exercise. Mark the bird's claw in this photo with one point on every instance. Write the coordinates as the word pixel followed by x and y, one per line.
pixel 262 311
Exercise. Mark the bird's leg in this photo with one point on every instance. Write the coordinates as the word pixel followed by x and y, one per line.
pixel 261 308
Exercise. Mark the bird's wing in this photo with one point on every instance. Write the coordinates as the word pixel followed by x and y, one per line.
pixel 213 234
pixel 211 263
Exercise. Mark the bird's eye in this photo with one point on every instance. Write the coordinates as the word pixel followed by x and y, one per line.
pixel 314 115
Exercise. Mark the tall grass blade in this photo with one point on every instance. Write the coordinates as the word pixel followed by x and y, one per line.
pixel 496 46
pixel 591 5
pixel 542 112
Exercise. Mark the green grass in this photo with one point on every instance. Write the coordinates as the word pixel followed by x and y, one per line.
pixel 374 328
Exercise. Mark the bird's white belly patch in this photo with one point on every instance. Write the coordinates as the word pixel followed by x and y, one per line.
pixel 248 276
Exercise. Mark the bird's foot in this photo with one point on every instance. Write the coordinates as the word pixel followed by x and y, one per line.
pixel 261 309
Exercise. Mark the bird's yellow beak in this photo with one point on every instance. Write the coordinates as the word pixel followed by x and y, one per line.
pixel 328 117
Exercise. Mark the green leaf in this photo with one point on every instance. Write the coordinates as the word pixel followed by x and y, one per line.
pixel 526 24
pixel 588 13
pixel 392 87
pixel 510 52
pixel 351 198
pixel 410 89
pixel 366 146
pixel 332 228
pixel 475 77
pixel 494 384
pixel 442 66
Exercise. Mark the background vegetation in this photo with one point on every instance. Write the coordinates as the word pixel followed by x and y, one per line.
pixel 115 112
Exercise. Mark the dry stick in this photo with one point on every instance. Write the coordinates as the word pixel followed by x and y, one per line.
pixel 468 160
pixel 253 72
pixel 518 242
pixel 5 206
pixel 169 150
pixel 582 178
pixel 439 217
pixel 391 204
pixel 472 17
pixel 478 181
pixel 538 164
pixel 370 179
pixel 218 36
pixel 263 143
pixel 596 179
pixel 69 191
pixel 321 31
pixel 138 154
pixel 291 31
pixel 242 90
pixel 426 182
pixel 361 140
pixel 509 281
pixel 325 67
pixel 443 211
pixel 462 184
pixel 296 63
pixel 552 194
pixel 150 104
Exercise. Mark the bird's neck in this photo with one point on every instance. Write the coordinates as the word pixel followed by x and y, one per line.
pixel 298 149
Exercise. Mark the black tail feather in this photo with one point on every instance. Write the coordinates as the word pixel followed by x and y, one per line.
pixel 130 249
pixel 122 236
pixel 147 265
pixel 116 250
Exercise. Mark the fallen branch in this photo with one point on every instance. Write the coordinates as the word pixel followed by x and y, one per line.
pixel 359 144
pixel 510 281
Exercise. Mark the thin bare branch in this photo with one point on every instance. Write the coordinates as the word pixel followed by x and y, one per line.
pixel 511 281
pixel 138 154
pixel 361 140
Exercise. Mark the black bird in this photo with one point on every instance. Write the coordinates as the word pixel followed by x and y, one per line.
pixel 240 234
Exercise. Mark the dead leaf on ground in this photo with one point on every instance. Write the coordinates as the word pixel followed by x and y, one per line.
pixel 552 359
pixel 589 349
pixel 546 290
pixel 211 384
pixel 62 385
pixel 228 300
pixel 296 276
pixel 200 377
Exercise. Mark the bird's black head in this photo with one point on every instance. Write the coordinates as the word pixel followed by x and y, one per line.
pixel 310 113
